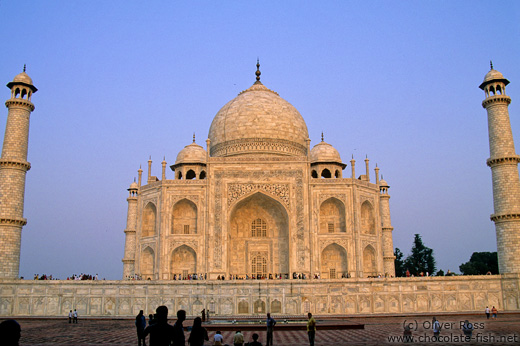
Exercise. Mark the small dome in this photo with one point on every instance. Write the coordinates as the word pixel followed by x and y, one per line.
pixel 493 74
pixel 192 153
pixel 133 186
pixel 383 182
pixel 23 78
pixel 324 152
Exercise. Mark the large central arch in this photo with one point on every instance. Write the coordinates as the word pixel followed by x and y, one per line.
pixel 258 234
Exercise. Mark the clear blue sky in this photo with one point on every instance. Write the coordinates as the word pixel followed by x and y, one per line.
pixel 122 80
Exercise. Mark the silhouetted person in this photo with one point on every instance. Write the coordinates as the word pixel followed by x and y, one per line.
pixel 270 322
pixel 178 329
pixel 161 333
pixel 203 315
pixel 75 316
pixel 255 340
pixel 10 332
pixel 151 320
pixel 70 316
pixel 311 328
pixel 198 334
pixel 140 324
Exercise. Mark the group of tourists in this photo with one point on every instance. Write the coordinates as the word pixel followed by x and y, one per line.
pixel 163 334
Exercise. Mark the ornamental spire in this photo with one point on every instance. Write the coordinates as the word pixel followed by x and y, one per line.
pixel 491 64
pixel 322 136
pixel 24 66
pixel 193 137
pixel 258 73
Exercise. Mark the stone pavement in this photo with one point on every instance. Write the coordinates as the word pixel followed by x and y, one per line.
pixel 503 331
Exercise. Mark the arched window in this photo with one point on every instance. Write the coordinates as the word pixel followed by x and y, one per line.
pixel 258 228
pixel 314 174
pixel 259 266
pixel 149 217
pixel 24 93
pixel 325 173
pixel 337 174
pixel 179 175
pixel 190 175
pixel 202 175
pixel 243 307
pixel 368 224
pixel 17 93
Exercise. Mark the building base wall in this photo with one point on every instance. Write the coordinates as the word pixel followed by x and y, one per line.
pixel 253 297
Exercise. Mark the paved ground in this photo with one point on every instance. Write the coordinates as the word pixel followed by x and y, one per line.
pixel 503 331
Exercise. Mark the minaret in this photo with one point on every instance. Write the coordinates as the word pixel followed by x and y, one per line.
pixel 131 223
pixel 388 242
pixel 504 171
pixel 13 168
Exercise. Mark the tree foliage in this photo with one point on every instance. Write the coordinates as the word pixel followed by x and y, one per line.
pixel 421 259
pixel 399 263
pixel 480 263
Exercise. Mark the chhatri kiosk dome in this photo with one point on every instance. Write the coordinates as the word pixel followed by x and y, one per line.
pixel 258 202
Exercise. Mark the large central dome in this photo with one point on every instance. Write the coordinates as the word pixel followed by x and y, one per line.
pixel 258 121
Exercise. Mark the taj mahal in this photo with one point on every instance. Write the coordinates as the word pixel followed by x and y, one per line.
pixel 259 202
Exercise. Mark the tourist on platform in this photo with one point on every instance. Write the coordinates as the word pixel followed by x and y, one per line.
pixel 255 340
pixel 140 325
pixel 238 339
pixel 270 322
pixel 203 315
pixel 70 316
pixel 218 339
pixel 198 334
pixel 487 312
pixel 161 333
pixel 311 328
pixel 75 316
pixel 494 313
pixel 10 333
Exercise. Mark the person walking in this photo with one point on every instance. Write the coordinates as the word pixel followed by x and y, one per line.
pixel 270 322
pixel 75 316
pixel 198 334
pixel 161 333
pixel 487 312
pixel 311 329
pixel 140 325
pixel 70 316
pixel 494 313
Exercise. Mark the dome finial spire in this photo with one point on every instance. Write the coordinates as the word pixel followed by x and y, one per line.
pixel 258 73
pixel 491 64
pixel 24 66
pixel 322 136
pixel 193 137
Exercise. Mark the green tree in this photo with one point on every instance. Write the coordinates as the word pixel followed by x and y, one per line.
pixel 421 259
pixel 480 263
pixel 399 263
pixel 440 273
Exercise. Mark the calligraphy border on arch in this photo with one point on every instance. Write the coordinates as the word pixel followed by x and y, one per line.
pixel 259 176
pixel 235 191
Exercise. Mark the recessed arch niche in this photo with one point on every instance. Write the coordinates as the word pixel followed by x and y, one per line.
pixel 149 220
pixel 184 218
pixel 332 216
pixel 333 262
pixel 183 261
pixel 243 246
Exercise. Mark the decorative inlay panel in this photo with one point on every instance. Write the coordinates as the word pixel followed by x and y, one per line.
pixel 235 191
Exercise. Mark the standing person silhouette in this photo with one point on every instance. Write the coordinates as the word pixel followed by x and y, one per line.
pixel 270 322
pixel 198 334
pixel 161 333
pixel 10 333
pixel 140 324
pixel 178 329
pixel 311 329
